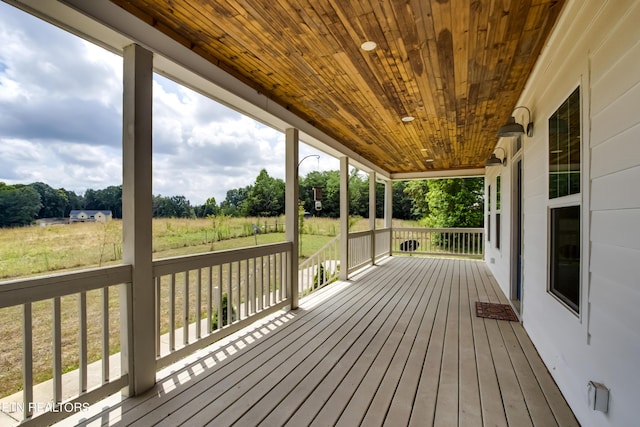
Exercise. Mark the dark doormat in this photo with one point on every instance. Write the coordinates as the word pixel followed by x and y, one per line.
pixel 492 310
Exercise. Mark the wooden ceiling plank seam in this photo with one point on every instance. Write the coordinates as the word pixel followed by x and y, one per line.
pixel 411 141
pixel 482 138
pixel 495 46
pixel 430 81
pixel 478 15
pixel 347 43
pixel 300 68
pixel 303 69
pixel 445 57
pixel 414 102
pixel 461 34
pixel 379 106
pixel 240 58
pixel 433 83
pixel 387 62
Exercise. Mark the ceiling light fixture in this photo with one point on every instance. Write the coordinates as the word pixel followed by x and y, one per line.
pixel 512 128
pixel 368 46
pixel 495 161
pixel 408 119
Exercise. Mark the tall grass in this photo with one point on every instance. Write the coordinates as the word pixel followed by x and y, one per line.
pixel 27 251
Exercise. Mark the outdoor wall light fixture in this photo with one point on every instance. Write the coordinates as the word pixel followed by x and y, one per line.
pixel 514 129
pixel 495 161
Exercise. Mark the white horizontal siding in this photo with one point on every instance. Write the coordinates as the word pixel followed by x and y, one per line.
pixel 596 45
pixel 614 297
pixel 617 228
pixel 616 191
pixel 614 289
pixel 617 153
pixel 616 118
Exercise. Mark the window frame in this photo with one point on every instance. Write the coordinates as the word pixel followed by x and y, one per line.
pixel 565 201
pixel 489 213
pixel 498 212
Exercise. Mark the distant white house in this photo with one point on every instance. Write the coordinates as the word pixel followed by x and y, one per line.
pixel 88 215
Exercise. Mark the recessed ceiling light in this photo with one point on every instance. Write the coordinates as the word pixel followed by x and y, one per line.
pixel 368 45
pixel 429 160
pixel 408 119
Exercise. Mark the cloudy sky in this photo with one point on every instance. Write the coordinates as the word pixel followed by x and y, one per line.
pixel 61 122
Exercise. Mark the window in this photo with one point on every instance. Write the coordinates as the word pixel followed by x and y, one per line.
pixel 564 148
pixel 517 144
pixel 498 212
pixel 488 213
pixel 565 255
pixel 564 202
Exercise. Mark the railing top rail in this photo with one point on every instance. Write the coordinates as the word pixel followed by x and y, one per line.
pixel 356 234
pixel 382 230
pixel 33 289
pixel 440 230
pixel 178 264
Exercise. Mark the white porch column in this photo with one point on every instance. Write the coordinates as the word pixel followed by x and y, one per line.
pixel 344 218
pixel 388 203
pixel 372 214
pixel 291 209
pixel 388 211
pixel 138 311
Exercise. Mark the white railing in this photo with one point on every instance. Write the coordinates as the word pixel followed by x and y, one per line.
pixel 367 246
pixel 382 243
pixel 464 242
pixel 201 298
pixel 63 322
pixel 360 247
pixel 321 268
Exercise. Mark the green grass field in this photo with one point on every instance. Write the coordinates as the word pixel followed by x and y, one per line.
pixel 28 251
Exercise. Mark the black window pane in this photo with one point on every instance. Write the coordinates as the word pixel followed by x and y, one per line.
pixel 498 193
pixel 564 148
pixel 498 231
pixel 565 255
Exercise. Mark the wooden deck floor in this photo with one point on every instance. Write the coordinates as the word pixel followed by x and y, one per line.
pixel 398 345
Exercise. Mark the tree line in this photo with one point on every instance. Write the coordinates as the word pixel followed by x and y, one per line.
pixel 438 203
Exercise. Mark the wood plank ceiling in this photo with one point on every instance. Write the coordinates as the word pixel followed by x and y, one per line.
pixel 457 66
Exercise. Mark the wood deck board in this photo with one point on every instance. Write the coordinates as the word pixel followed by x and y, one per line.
pixel 492 408
pixel 397 345
pixel 469 409
pixel 376 391
pixel 373 366
pixel 427 392
pixel 331 327
pixel 365 338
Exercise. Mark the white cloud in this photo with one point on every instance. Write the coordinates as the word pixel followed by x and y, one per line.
pixel 61 122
